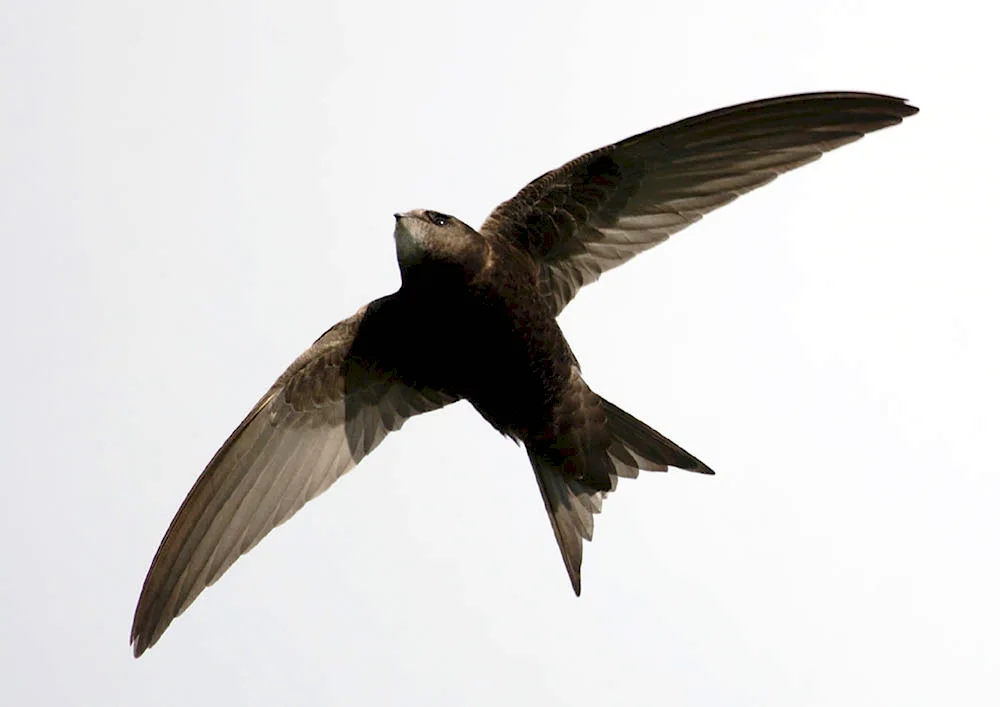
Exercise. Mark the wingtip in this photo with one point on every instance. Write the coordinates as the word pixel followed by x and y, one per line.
pixel 141 640
pixel 703 469
pixel 138 645
pixel 906 109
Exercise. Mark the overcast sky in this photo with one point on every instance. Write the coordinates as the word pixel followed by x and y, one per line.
pixel 190 193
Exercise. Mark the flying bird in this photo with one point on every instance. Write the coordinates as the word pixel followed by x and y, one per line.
pixel 475 319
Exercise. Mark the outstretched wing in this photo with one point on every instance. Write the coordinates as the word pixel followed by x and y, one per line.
pixel 315 423
pixel 607 206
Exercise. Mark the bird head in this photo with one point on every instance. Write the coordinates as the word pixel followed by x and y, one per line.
pixel 432 243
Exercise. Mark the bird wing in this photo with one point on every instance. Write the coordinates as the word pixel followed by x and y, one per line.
pixel 315 423
pixel 605 207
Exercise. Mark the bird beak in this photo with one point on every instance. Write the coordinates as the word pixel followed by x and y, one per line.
pixel 415 213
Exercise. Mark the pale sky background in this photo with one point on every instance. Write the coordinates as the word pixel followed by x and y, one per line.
pixel 190 193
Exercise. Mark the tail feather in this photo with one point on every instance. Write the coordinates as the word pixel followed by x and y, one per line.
pixel 644 447
pixel 572 502
pixel 571 507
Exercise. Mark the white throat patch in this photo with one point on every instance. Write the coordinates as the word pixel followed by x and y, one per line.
pixel 408 247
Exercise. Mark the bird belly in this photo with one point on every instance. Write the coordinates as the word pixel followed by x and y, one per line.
pixel 505 356
pixel 511 371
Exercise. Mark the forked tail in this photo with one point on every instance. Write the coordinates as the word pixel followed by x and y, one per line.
pixel 574 480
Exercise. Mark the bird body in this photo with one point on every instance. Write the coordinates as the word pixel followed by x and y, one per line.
pixel 479 333
pixel 475 319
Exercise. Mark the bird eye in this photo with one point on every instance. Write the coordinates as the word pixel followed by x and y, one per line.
pixel 437 219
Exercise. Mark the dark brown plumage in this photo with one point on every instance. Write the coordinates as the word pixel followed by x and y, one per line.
pixel 479 309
